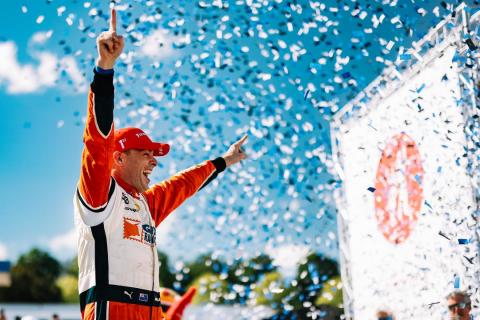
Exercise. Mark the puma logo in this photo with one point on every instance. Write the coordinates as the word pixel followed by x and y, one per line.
pixel 129 294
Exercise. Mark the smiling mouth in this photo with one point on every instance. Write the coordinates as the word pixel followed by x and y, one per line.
pixel 146 173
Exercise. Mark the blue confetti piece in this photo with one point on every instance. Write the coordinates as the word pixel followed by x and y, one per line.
pixel 405 56
pixel 455 57
pixel 471 45
pixel 371 189
pixel 428 204
pixel 306 94
pixel 418 178
pixel 456 283
pixel 421 88
pixel 463 241
pixel 346 75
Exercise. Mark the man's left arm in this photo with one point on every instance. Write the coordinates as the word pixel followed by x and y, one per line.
pixel 165 197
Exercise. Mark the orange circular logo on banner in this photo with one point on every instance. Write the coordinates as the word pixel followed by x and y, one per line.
pixel 398 188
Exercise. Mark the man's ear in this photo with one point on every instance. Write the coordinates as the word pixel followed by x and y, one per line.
pixel 118 158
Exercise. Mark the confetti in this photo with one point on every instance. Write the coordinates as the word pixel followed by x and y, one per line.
pixel 306 94
pixel 470 260
pixel 443 235
pixel 456 282
pixel 471 45
pixel 219 69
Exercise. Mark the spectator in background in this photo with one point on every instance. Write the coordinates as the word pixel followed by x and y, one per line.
pixel 459 305
pixel 385 315
pixel 2 315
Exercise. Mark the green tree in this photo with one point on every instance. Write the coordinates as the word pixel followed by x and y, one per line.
pixel 210 288
pixel 243 275
pixel 68 285
pixel 34 278
pixel 250 271
pixel 204 264
pixel 312 275
pixel 71 267
pixel 332 294
pixel 167 278
pixel 271 290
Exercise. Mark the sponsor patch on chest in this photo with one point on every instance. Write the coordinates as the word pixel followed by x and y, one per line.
pixel 134 230
pixel 130 204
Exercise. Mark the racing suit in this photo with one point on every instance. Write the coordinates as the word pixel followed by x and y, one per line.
pixel 117 255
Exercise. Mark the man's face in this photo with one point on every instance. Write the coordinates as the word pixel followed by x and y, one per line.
pixel 137 166
pixel 457 309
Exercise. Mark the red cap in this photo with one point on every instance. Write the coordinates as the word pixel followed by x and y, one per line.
pixel 135 138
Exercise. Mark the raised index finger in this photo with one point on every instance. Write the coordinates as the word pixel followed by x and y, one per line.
pixel 242 140
pixel 113 20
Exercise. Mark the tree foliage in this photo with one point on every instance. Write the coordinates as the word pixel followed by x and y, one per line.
pixel 211 288
pixel 316 289
pixel 271 290
pixel 167 277
pixel 68 285
pixel 34 279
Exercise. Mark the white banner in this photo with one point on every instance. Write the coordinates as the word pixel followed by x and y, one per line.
pixel 405 182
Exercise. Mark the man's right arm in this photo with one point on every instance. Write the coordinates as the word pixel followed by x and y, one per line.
pixel 98 138
pixel 96 185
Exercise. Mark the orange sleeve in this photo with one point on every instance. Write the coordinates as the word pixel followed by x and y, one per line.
pixel 166 196
pixel 98 138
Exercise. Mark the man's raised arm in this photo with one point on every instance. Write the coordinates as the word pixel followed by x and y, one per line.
pixel 166 196
pixel 98 138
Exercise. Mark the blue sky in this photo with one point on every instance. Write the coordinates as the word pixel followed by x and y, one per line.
pixel 275 71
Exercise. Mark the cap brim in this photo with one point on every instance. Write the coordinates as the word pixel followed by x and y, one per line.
pixel 160 149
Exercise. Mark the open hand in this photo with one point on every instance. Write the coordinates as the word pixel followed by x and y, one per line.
pixel 109 44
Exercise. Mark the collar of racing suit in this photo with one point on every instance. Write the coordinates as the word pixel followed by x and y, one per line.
pixel 130 189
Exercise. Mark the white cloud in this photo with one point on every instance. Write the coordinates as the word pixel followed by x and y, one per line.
pixel 287 257
pixel 69 65
pixel 160 44
pixel 27 78
pixel 64 245
pixel 41 37
pixel 3 252
pixel 157 45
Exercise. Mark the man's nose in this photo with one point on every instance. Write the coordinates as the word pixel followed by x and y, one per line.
pixel 153 161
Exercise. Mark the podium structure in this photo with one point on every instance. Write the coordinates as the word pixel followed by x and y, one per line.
pixel 407 152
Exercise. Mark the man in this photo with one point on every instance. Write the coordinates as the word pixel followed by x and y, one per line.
pixel 384 315
pixel 459 305
pixel 116 212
